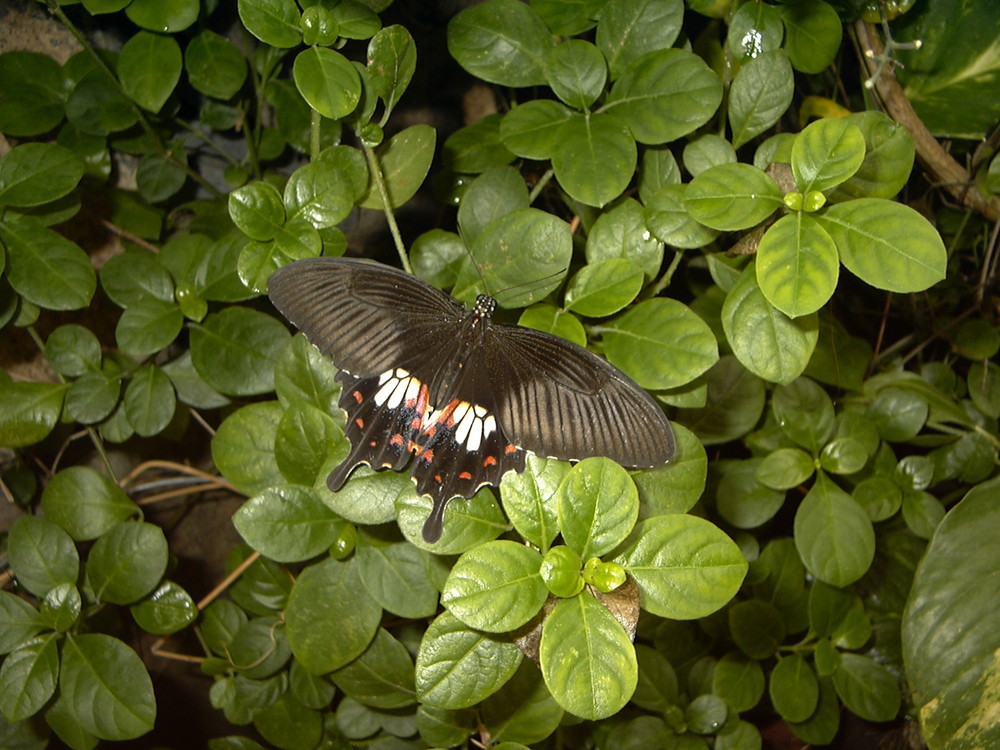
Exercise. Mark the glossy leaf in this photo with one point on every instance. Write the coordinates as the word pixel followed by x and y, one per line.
pixel 45 267
pixel 603 288
pixel 235 350
pixel 28 679
pixel 576 72
pixel 531 129
pixel 392 60
pixel 594 158
pixel 621 232
pixel 214 65
pixel 794 688
pixel 404 159
pixel 381 677
pixel 834 535
pixel 105 687
pixel 327 81
pixel 670 221
pixel 162 17
pixel 243 447
pixel 20 622
pixel 84 503
pixel 813 33
pixel 826 153
pixel 628 29
pixel 680 553
pixel 732 196
pixel 587 658
pixel 760 94
pixel 149 401
pixel 274 22
pixel 500 41
pixel 127 562
pixel 149 67
pixel 598 505
pixel 529 499
pixel 397 575
pixel 36 173
pixel 867 688
pixel 287 523
pixel 167 609
pixel 797 265
pixel 28 411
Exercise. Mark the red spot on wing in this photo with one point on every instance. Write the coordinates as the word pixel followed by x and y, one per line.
pixel 396 439
pixel 465 475
pixel 358 397
pixel 510 449
pixel 489 461
pixel 360 423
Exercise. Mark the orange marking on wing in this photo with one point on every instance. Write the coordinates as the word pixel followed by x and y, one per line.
pixel 510 449
pixel 415 423
pixel 437 478
pixel 489 461
pixel 360 423
pixel 358 397
pixel 427 455
pixel 465 475
pixel 396 439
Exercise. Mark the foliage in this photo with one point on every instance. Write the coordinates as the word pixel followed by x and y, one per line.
pixel 644 150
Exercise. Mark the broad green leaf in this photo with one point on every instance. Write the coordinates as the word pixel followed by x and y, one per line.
pixel 84 503
pixel 834 535
pixel 161 17
pixel 148 326
pixel 28 411
pixel 302 373
pixel 492 195
pixel 826 153
pixel 529 499
pixel 743 499
pixel 543 317
pixel 665 95
pixel 46 268
pixel 598 505
pixel 660 343
pixel 813 32
pixel 274 22
pixel 738 680
pixel 670 221
pixel 392 60
pixel 804 412
pixel 235 350
pixel 595 158
pixel 42 555
pixel 495 587
pixel 732 196
pixel 948 639
pixel 257 210
pixel 105 687
pixel 159 177
pixel 867 688
pixel 458 666
pixel 136 276
pixel 760 94
pixel 149 401
pixel 707 151
pixel 306 436
pixel 767 342
pixel 330 617
pixel 149 67
pixel 587 658
pixel 167 609
pixel 531 129
pixel 677 486
pixel 621 232
pixel 404 161
pixel 886 244
pixel 382 676
pixel 685 567
pixel 523 711
pixel 243 447
pixel 19 622
pixel 797 265
pixel 793 688
pixel 28 679
pixel 658 168
pixel 355 20
pixel 576 72
pixel 754 30
pixel 35 173
pixel 888 159
pixel 214 65
pixel 189 386
pixel 73 350
pixel 34 92
pixel 396 574
pixel 97 106
pixel 785 468
pixel 500 41
pixel 603 288
pixel 757 628
pixel 127 562
pixel 287 523
pixel 288 723
pixel 320 194
pixel 628 29
pixel 327 81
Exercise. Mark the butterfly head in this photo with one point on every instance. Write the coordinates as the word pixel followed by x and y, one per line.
pixel 485 305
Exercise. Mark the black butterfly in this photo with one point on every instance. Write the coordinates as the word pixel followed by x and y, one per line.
pixel 429 380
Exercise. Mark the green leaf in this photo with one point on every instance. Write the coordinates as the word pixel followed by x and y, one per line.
pixel 679 553
pixel 867 688
pixel 73 350
pixel 28 411
pixel 287 723
pixel 28 679
pixel 167 609
pixel 392 60
pixel 812 34
pixel 36 173
pixel 305 438
pixel 628 29
pixel 621 232
pixel 737 680
pixel 303 373
pixel 531 129
pixel 134 277
pixel 96 105
pixel 84 503
pixel 598 504
pixel 706 151
pixel 459 667
pixel 743 499
pixel 149 401
pixel 149 67
pixel 235 350
pixel 797 265
pixel 587 658
pixel 492 195
pixel 382 676
pixel 105 687
pixel 330 617
pixel 243 447
pixel 767 342
pixel 576 72
pixel 805 413
pixel 148 326
pixel 495 587
pixel 500 41
pixel 404 160
pixel 159 177
pixel 886 244
pixel 327 81
pixel 826 153
pixel 760 94
pixel 522 711
pixel 287 523
pixel 732 196
pixel 785 468
pixel 42 554
pixel 888 159
pixel 603 288
pixel 660 343
pixel 529 499
pixel 34 92
pixel 670 221
pixel 794 688
pixel 274 22
pixel 319 193
pixel 396 574
pixel 754 30
pixel 834 535
pixel 257 210
pixel 19 622
pixel 214 65
pixel 46 268
pixel 665 95
pixel 127 562
pixel 161 17
pixel 757 628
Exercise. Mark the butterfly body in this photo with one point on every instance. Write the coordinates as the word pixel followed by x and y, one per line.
pixel 459 397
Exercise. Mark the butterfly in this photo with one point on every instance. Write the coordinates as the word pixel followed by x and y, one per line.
pixel 460 398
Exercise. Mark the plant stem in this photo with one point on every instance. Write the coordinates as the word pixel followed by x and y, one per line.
pixel 376 173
